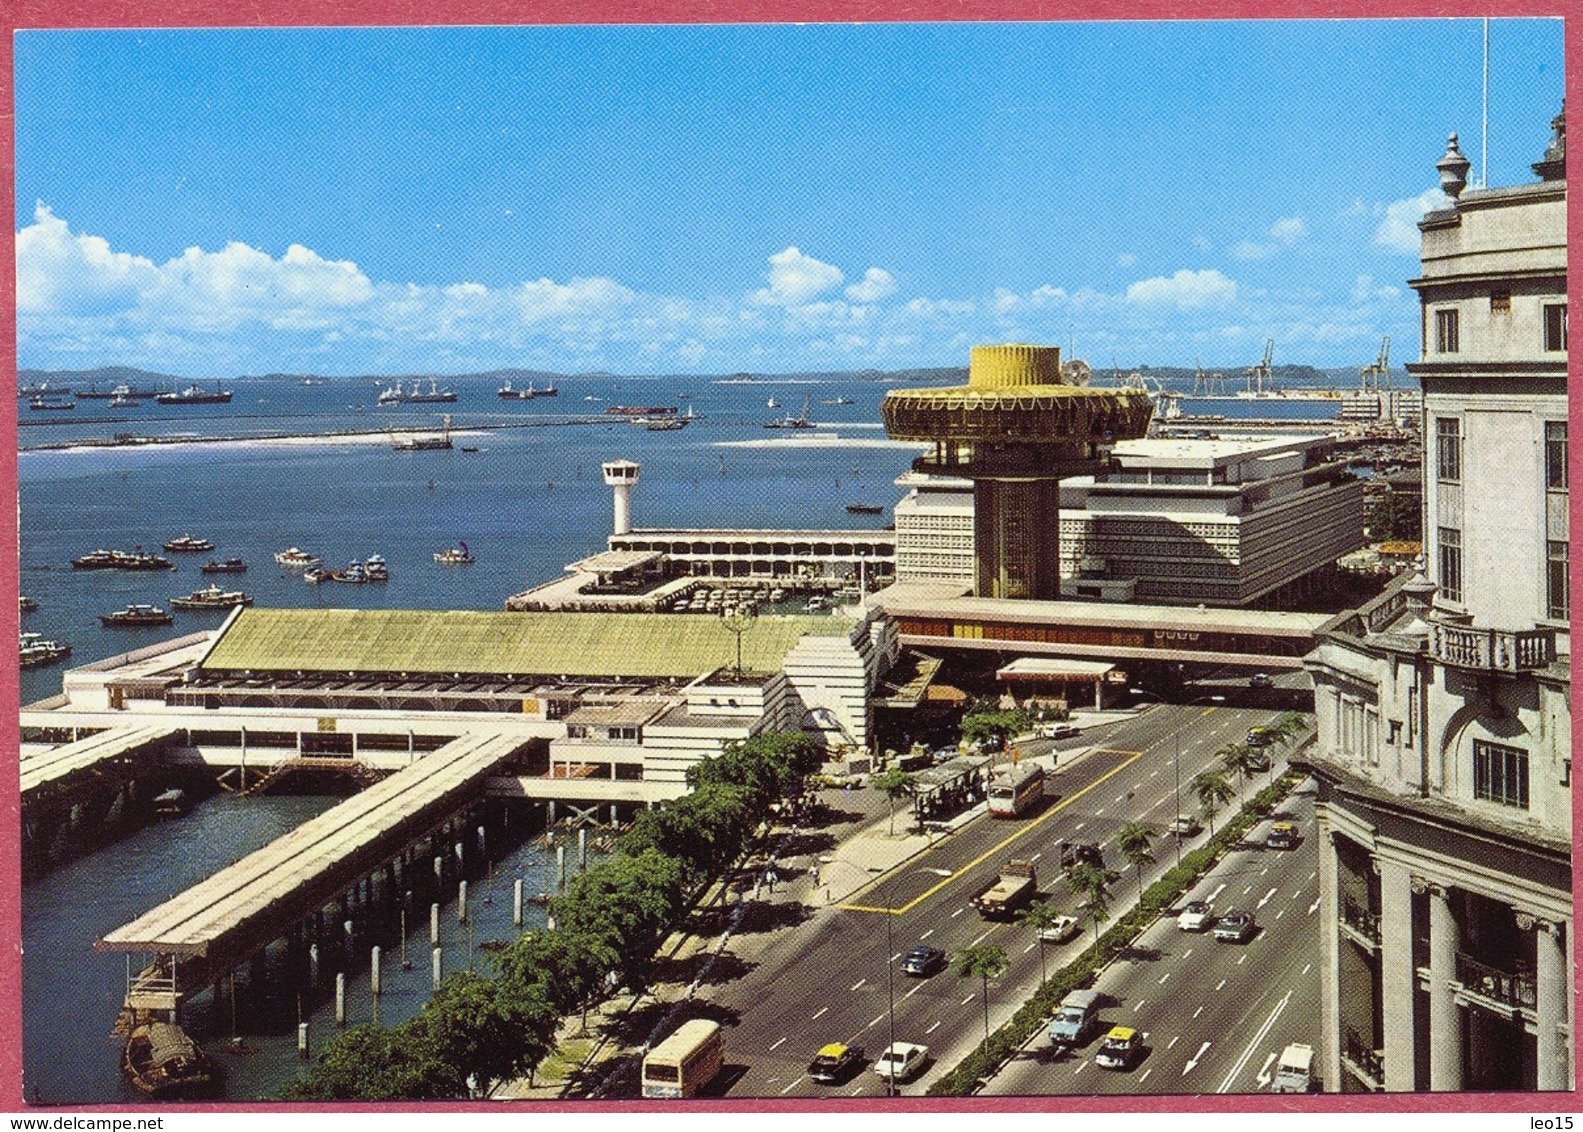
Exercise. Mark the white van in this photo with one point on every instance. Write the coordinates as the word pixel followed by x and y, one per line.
pixel 1294 1071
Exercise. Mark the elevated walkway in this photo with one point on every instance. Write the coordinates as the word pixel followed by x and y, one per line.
pixel 240 909
pixel 114 753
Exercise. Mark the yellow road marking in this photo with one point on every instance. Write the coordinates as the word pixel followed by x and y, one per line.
pixel 1132 757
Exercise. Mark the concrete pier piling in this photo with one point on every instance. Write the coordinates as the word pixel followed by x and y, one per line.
pixel 434 924
pixel 516 902
pixel 373 970
pixel 461 902
pixel 560 867
pixel 313 964
pixel 582 850
pixel 434 966
pixel 302 1040
pixel 340 998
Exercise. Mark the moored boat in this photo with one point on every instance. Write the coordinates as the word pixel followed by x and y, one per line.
pixel 36 651
pixel 194 395
pixel 212 597
pixel 163 1062
pixel 294 559
pixel 136 616
pixel 49 404
pixel 186 544
pixel 172 803
pixel 313 575
pixel 354 574
pixel 375 569
pixel 121 560
pixel 457 555
pixel 229 566
pixel 396 395
pixel 864 509
pixel 26 604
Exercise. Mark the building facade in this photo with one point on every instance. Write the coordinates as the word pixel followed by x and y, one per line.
pixel 1443 707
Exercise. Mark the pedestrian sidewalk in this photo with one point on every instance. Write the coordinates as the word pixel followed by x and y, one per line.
pixel 872 852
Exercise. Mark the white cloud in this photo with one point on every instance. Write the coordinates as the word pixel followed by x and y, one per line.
pixel 876 284
pixel 1399 230
pixel 930 308
pixel 545 298
pixel 1248 249
pixel 59 273
pixel 1289 230
pixel 1186 290
pixel 1126 259
pixel 1364 291
pixel 795 278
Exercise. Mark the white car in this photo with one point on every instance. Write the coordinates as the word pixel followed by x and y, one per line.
pixel 1062 929
pixel 901 1060
pixel 1058 731
pixel 1196 917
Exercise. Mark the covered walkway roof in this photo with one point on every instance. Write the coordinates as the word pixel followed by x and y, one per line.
pixel 58 767
pixel 433 642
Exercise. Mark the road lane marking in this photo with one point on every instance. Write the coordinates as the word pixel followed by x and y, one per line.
pixel 1079 1068
pixel 1255 1043
pixel 1036 856
pixel 927 934
pixel 1247 890
pixel 1099 811
pixel 931 1029
pixel 981 939
pixel 1297 893
pixel 1263 1079
pixel 1264 870
pixel 1307 967
pixel 782 1041
pixel 1313 906
pixel 967 1000
pixel 1200 1010
pixel 1174 1041
pixel 878 1018
pixel 1241 959
pixel 1078 827
pixel 1030 947
pixel 1145 1075
pixel 1121 797
pixel 1281 913
pixel 958 912
pixel 822 1010
pixel 1267 896
pixel 1163 977
pixel 914 991
pixel 1218 985
pixel 1000 847
pixel 1137 1006
pixel 1313 875
pixel 1192 1062
pixel 1186 953
pixel 792 1086
pixel 1217 892
pixel 895 957
pixel 859 983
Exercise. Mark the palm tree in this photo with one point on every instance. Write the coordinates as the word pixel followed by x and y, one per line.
pixel 1134 841
pixel 1038 916
pixel 1092 883
pixel 1213 792
pixel 894 783
pixel 1239 759
pixel 985 961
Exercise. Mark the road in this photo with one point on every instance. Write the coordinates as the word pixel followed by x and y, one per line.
pixel 813 976
pixel 1214 1015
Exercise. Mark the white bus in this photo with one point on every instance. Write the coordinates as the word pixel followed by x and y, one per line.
pixel 1015 789
pixel 684 1062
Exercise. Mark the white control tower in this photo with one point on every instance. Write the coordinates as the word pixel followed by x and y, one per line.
pixel 621 475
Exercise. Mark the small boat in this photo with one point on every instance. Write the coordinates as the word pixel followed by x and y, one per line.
pixel 120 402
pixel 172 803
pixel 772 404
pixel 135 616
pixel 295 559
pixel 353 575
pixel 229 566
pixel 375 569
pixel 507 393
pixel 313 575
pixel 213 597
pixel 48 404
pixel 26 604
pixel 664 424
pixel 194 395
pixel 469 448
pixel 186 544
pixel 835 400
pixel 799 421
pixel 163 1062
pixel 864 509
pixel 121 560
pixel 457 555
pixel 36 651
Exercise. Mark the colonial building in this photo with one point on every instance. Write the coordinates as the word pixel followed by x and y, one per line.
pixel 1444 755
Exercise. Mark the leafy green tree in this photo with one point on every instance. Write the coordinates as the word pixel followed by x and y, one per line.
pixel 485 1031
pixel 1135 841
pixel 1213 792
pixel 986 961
pixel 372 1063
pixel 708 828
pixel 627 902
pixel 1091 884
pixel 980 725
pixel 565 968
pixel 895 784
pixel 1038 916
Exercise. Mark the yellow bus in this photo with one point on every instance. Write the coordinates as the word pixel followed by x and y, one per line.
pixel 686 1061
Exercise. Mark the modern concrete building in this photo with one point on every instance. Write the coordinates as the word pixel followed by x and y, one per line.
pixel 1444 755
pixel 1224 521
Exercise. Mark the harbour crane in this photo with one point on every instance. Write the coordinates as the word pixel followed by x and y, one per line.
pixel 1377 377
pixel 1260 380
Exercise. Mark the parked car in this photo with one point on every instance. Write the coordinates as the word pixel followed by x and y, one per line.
pixel 1196 917
pixel 901 1060
pixel 1260 680
pixel 1184 826
pixel 1235 927
pixel 923 961
pixel 1282 835
pixel 1061 930
pixel 1119 1049
pixel 835 1062
pixel 1059 731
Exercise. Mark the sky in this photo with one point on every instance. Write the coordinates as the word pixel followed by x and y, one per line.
pixel 711 199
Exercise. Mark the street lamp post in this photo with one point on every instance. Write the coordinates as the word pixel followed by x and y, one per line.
pixel 1176 834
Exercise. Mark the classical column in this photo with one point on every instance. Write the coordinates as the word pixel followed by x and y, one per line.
pixel 1397 975
pixel 1554 1054
pixel 1445 1017
pixel 1330 963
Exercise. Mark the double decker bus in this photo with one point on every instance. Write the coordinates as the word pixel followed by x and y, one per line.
pixel 1014 790
pixel 684 1062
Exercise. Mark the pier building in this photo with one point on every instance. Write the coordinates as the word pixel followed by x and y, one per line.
pixel 1015 430
pixel 1444 755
